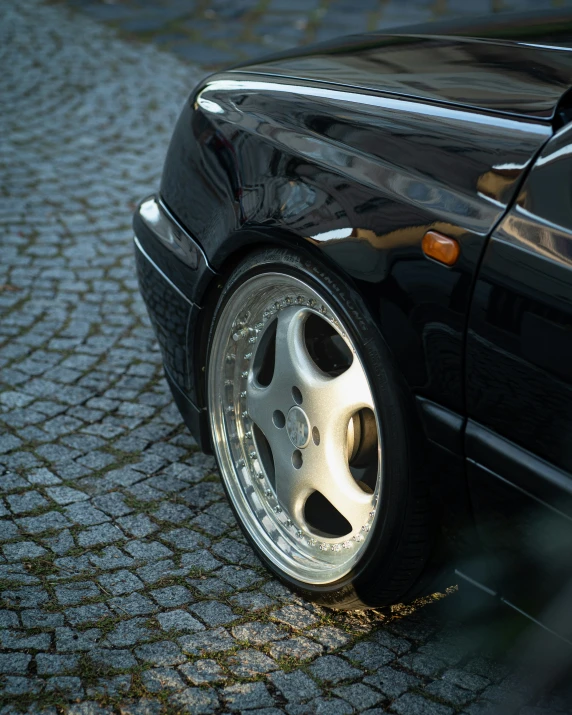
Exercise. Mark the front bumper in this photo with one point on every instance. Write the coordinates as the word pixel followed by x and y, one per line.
pixel 173 274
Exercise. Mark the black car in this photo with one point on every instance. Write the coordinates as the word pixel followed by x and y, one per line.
pixel 359 270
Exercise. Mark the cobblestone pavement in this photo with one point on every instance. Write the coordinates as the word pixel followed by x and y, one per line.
pixel 125 585
pixel 215 32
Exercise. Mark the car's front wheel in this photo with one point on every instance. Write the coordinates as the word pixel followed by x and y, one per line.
pixel 311 432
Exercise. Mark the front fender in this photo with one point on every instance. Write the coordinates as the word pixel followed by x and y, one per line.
pixel 358 177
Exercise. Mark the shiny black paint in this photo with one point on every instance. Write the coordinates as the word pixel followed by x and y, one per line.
pixel 519 349
pixel 480 73
pixel 356 178
pixel 519 386
pixel 169 313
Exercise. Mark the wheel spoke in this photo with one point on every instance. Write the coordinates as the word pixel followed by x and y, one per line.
pixel 259 404
pixel 291 488
pixel 334 481
pixel 347 393
pixel 294 365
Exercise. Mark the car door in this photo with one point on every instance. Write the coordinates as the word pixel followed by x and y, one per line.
pixel 519 388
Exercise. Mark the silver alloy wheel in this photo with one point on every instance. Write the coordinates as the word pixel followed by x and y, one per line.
pixel 294 427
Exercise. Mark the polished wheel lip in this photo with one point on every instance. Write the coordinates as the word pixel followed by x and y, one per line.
pixel 282 533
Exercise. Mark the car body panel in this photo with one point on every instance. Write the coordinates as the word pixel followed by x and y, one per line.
pixel 357 179
pixel 519 344
pixel 490 75
pixel 519 385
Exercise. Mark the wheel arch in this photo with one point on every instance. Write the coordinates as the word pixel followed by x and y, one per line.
pixel 230 253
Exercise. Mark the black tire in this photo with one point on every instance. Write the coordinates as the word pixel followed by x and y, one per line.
pixel 393 567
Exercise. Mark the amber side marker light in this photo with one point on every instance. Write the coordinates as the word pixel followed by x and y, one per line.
pixel 440 248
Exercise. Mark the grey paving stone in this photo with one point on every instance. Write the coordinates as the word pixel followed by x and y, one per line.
pixel 9 619
pixel 113 687
pixel 156 571
pixel 247 696
pixel 210 525
pixel 359 695
pixel 175 513
pixel 8 530
pixel 235 552
pixel 299 647
pixel 330 706
pixel 114 659
pixel 29 501
pixel 73 566
pixel 391 682
pixel 143 706
pixel 34 618
pixel 162 679
pixel 87 614
pixel 197 701
pixel 133 605
pixel 332 669
pixel 184 539
pixel 250 663
pixel 250 601
pixel 65 495
pixel 213 613
pixel 201 561
pixel 295 616
pixel 21 640
pixel 239 577
pixel 25 597
pixel 410 704
pixel 257 632
pixel 14 663
pixel 400 646
pixel 86 515
pixel 38 524
pixel 49 664
pixel 171 596
pixel 449 693
pixel 161 653
pixel 370 655
pixel 422 664
pixel 130 632
pixel 60 544
pixel 120 582
pixel 69 640
pixel 331 638
pixel 148 550
pixel 469 681
pixel 138 525
pixel 72 593
pixel 69 686
pixel 112 504
pixel 202 672
pixel 17 574
pixel 213 641
pixel 99 535
pixel 111 558
pixel 23 550
pixel 295 686
pixel 179 620
pixel 88 708
pixel 17 685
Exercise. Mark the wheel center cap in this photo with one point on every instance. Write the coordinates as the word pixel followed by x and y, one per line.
pixel 298 427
